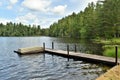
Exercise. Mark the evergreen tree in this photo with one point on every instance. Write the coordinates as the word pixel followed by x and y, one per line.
pixel 13 29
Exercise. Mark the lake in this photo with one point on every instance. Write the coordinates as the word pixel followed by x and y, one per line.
pixel 48 67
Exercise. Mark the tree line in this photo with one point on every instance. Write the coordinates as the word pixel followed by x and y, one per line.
pixel 100 20
pixel 19 29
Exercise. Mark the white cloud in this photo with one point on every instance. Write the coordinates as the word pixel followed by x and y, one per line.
pixel 0 3
pixel 59 9
pixel 89 1
pixel 78 1
pixel 25 18
pixel 39 5
pixel 21 9
pixel 4 21
pixel 93 1
pixel 29 18
pixel 13 1
pixel 9 7
pixel 46 22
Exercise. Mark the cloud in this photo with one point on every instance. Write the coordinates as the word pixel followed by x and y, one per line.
pixel 44 6
pixel 46 22
pixel 29 18
pixel 93 1
pixel 0 3
pixel 9 7
pixel 59 9
pixel 13 2
pixel 25 18
pixel 38 5
pixel 21 9
pixel 4 21
pixel 78 1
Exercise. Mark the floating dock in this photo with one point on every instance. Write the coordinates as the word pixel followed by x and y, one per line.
pixel 85 57
pixel 30 50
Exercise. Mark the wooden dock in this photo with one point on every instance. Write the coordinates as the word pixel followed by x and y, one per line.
pixel 30 50
pixel 112 74
pixel 85 57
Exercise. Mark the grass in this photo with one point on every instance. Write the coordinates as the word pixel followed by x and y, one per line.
pixel 114 41
pixel 109 46
pixel 109 50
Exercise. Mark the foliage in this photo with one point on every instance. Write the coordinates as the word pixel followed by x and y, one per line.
pixel 13 29
pixel 100 20
pixel 97 21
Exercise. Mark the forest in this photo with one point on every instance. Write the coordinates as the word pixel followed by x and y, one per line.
pixel 100 20
pixel 19 29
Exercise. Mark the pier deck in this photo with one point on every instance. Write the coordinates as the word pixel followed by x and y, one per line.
pixel 85 57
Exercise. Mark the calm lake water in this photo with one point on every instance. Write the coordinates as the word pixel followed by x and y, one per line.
pixel 48 67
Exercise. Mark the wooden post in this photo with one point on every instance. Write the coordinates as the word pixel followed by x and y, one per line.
pixel 116 55
pixel 68 51
pixel 44 46
pixel 52 45
pixel 75 48
pixel 44 50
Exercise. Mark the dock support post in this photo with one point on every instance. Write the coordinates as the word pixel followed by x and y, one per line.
pixel 68 51
pixel 44 46
pixel 75 48
pixel 44 50
pixel 52 45
pixel 116 55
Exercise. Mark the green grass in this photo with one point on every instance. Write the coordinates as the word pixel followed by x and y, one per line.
pixel 109 46
pixel 114 41
pixel 109 50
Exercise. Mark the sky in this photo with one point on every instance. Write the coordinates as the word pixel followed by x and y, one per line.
pixel 39 12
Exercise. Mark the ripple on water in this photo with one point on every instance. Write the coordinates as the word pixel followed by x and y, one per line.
pixel 49 68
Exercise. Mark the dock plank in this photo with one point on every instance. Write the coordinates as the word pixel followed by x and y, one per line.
pixel 97 58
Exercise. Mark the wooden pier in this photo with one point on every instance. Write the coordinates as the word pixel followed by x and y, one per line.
pixel 112 74
pixel 85 57
pixel 92 58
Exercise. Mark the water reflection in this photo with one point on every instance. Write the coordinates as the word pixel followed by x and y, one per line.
pixel 84 46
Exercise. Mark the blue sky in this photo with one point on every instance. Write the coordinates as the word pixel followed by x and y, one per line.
pixel 39 12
